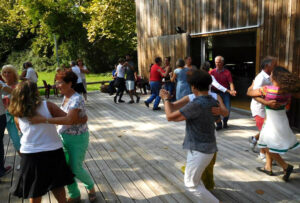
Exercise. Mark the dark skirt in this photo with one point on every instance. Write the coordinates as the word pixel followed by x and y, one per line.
pixel 41 172
pixel 79 88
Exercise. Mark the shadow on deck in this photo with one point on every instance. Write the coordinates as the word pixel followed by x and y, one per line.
pixel 136 155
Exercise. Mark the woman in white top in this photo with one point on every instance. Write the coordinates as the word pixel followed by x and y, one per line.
pixel 43 164
pixel 83 71
pixel 75 137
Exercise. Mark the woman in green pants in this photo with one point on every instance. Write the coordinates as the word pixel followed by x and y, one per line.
pixel 75 137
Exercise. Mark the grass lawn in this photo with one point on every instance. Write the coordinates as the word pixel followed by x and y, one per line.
pixel 49 77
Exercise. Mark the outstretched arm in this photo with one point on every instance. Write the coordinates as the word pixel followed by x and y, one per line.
pixel 172 113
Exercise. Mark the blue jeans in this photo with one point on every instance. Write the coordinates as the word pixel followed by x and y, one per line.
pixel 155 88
pixel 170 86
pixel 226 100
pixel 2 128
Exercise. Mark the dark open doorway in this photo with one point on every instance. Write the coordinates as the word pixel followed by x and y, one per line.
pixel 239 51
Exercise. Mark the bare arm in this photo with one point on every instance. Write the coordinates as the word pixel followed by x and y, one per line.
pixel 221 109
pixel 171 113
pixel 253 93
pixel 173 77
pixel 59 116
pixel 6 89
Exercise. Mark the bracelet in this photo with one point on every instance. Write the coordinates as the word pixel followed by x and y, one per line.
pixel 169 100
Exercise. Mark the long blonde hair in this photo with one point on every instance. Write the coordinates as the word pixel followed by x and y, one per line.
pixel 24 100
pixel 12 69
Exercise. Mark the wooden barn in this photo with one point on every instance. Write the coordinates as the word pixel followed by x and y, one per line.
pixel 243 31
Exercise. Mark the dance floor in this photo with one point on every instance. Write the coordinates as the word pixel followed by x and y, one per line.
pixel 135 155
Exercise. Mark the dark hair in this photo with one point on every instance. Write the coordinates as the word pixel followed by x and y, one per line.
pixel 158 59
pixel 199 79
pixel 168 57
pixel 69 76
pixel 266 61
pixel 79 60
pixel 121 60
pixel 180 63
pixel 287 81
pixel 24 65
pixel 205 66
pixel 185 58
pixel 28 64
pixel 73 63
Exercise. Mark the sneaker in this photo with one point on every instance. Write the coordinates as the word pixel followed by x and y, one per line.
pixel 138 99
pixel 131 102
pixel 225 125
pixel 18 167
pixel 156 109
pixel 287 172
pixel 7 170
pixel 262 157
pixel 146 103
pixel 252 142
pixel 121 101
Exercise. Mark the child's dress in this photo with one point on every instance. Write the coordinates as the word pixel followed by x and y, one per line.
pixel 276 133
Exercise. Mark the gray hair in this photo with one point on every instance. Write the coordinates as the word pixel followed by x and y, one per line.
pixel 180 63
pixel 267 61
pixel 221 57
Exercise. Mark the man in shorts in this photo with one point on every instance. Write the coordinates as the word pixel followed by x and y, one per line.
pixel 258 104
pixel 131 77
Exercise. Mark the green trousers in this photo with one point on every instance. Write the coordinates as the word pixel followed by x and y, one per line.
pixel 75 147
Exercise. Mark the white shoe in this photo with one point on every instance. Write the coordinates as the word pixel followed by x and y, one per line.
pixel 18 167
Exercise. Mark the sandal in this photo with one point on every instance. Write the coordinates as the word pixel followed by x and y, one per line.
pixel 287 172
pixel 262 169
pixel 92 196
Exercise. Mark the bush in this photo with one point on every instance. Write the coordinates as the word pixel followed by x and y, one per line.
pixel 39 63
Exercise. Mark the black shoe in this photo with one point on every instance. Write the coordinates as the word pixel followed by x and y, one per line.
pixel 121 101
pixel 138 99
pixel 115 99
pixel 225 125
pixel 287 172
pixel 262 169
pixel 156 109
pixel 146 103
pixel 131 102
pixel 219 126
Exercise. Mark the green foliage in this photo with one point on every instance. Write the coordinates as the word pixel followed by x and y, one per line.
pixel 98 31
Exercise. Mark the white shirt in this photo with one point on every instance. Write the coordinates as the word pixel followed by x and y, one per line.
pixel 76 70
pixel 193 96
pixel 39 137
pixel 2 109
pixel 83 74
pixel 31 75
pixel 262 79
pixel 217 85
pixel 120 71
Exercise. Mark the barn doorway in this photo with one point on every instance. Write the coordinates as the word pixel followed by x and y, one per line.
pixel 239 51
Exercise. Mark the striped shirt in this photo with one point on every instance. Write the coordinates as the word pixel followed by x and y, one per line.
pixel 273 93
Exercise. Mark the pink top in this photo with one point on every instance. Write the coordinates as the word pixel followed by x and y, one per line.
pixel 272 93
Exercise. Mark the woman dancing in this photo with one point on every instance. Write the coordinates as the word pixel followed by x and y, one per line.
pixel 43 164
pixel 276 135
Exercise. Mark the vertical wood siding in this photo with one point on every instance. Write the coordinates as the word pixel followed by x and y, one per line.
pixel 157 21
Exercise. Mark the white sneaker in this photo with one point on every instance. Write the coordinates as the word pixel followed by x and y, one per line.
pixel 18 167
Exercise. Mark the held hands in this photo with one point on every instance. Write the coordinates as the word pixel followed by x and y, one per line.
pixel 164 94
pixel 37 119
pixel 232 92
pixel 273 104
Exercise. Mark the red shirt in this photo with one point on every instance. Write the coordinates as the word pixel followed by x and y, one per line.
pixel 154 74
pixel 223 77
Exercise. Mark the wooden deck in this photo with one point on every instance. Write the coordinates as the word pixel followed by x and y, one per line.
pixel 135 155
